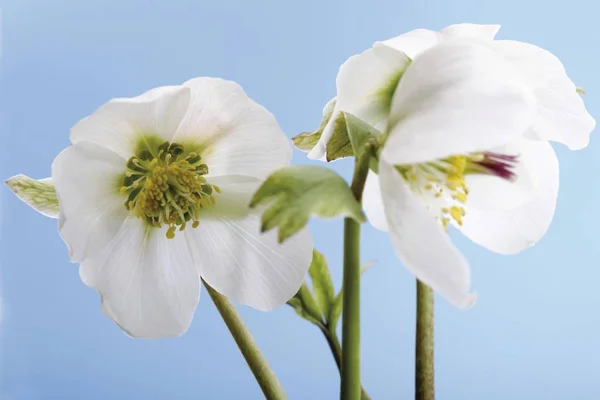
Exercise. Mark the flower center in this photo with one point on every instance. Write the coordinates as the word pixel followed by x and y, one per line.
pixel 442 183
pixel 167 188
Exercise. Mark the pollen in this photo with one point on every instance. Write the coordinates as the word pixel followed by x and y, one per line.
pixel 442 184
pixel 168 188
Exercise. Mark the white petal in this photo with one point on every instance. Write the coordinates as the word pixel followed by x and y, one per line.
pixel 319 152
pixel 511 231
pixel 417 41
pixel 119 124
pixel 373 202
pixel 148 284
pixel 492 193
pixel 328 109
pixel 456 98
pixel 235 196
pixel 561 114
pixel 247 266
pixel 483 32
pixel 414 42
pixel 92 211
pixel 366 83
pixel 420 242
pixel 238 135
pixel 330 113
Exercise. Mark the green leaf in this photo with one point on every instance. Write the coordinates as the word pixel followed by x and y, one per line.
pixel 348 138
pixel 336 309
pixel 350 134
pixel 298 192
pixel 308 302
pixel 296 304
pixel 335 312
pixel 307 140
pixel 359 133
pixel 305 305
pixel 38 194
pixel 321 282
pixel 339 145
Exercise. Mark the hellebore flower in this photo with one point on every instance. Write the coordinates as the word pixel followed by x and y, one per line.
pixel 154 195
pixel 465 124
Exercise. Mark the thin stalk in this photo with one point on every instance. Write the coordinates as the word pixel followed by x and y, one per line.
pixel 350 384
pixel 424 360
pixel 336 351
pixel 264 375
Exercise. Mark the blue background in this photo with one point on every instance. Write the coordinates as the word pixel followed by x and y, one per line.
pixel 534 334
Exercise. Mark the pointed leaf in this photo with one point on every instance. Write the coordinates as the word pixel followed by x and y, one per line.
pixel 308 302
pixel 321 282
pixel 38 194
pixel 296 304
pixel 336 311
pixel 296 193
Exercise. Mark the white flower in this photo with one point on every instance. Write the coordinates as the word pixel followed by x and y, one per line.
pixel 367 81
pixel 466 121
pixel 154 196
pixel 560 112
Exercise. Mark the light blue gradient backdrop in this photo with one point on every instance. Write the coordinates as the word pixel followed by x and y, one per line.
pixel 535 333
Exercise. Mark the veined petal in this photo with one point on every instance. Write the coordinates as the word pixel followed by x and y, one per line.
pixel 239 136
pixel 247 266
pixel 561 115
pixel 459 97
pixel 366 83
pixel 373 202
pixel 417 41
pixel 509 231
pixel 121 123
pixel 148 284
pixel 86 178
pixel 234 199
pixel 421 243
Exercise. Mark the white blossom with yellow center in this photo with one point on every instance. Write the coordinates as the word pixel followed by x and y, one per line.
pixel 154 194
pixel 466 122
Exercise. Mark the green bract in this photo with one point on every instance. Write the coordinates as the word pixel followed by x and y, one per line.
pixel 298 192
pixel 348 138
pixel 339 145
pixel 38 194
pixel 307 140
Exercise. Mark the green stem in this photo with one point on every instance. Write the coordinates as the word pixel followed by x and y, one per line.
pixel 334 345
pixel 424 360
pixel 350 389
pixel 350 386
pixel 336 350
pixel 264 375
